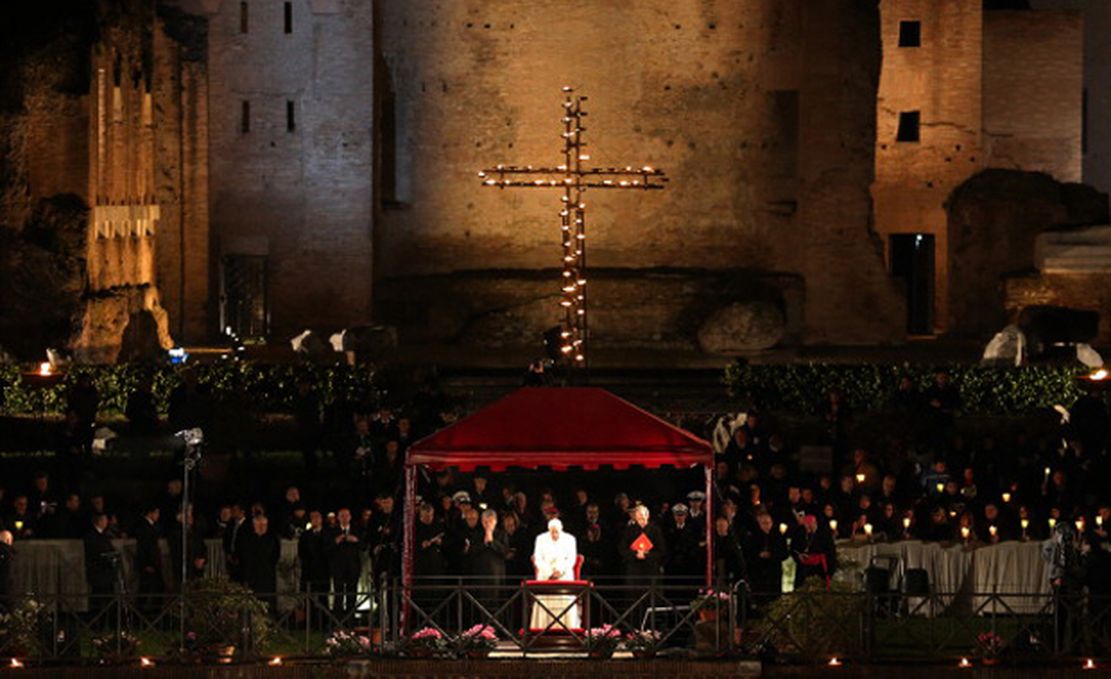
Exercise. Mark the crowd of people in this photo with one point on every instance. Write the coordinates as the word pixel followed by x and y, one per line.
pixel 770 505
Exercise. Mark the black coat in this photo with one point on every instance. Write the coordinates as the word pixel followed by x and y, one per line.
pixel 312 550
pixel 429 561
pixel 258 560
pixel 147 554
pixel 100 562
pixel 7 554
pixel 655 558
pixel 765 573
pixel 345 561
pixel 685 556
pixel 488 559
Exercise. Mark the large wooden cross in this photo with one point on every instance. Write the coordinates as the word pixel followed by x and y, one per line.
pixel 573 178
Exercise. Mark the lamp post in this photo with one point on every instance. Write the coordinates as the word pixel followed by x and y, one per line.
pixel 193 438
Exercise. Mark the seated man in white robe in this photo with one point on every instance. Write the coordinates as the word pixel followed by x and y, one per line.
pixel 554 558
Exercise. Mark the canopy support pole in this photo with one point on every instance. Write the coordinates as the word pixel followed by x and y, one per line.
pixel 407 548
pixel 709 514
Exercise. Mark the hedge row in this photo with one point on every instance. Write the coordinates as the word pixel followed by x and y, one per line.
pixel 262 387
pixel 803 388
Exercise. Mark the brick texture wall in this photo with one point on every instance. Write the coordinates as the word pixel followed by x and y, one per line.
pixel 1033 83
pixel 302 197
pixel 709 91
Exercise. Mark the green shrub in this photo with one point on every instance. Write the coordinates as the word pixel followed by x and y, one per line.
pixel 266 387
pixel 802 388
pixel 813 622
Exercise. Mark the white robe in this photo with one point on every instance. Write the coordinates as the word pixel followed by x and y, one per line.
pixel 550 556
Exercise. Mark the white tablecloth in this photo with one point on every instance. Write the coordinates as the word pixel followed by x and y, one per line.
pixel 967 576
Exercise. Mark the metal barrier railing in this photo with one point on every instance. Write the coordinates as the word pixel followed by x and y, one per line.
pixel 807 624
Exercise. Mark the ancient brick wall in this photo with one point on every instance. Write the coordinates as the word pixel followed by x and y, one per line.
pixel 941 80
pixel 302 196
pixel 722 94
pixel 1033 83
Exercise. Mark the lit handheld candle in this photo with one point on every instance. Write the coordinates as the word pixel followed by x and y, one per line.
pixel 906 523
pixel 964 663
pixel 940 487
pixel 782 528
pixel 1080 525
pixel 833 525
pixel 860 478
pixel 1006 497
pixel 868 529
pixel 993 530
pixel 965 532
pixel 1047 472
pixel 1052 523
pixel 1099 521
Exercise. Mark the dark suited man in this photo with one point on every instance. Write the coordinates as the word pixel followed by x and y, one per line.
pixel 259 551
pixel 198 553
pixel 385 539
pixel 345 564
pixel 237 527
pixel 642 565
pixel 101 560
pixel 312 551
pixel 6 556
pixel 643 553
pixel 765 549
pixel 148 561
pixel 487 560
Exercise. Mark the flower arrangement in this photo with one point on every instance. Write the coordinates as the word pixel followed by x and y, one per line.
pixel 991 644
pixel 21 628
pixel 479 637
pixel 425 642
pixel 344 644
pixel 642 642
pixel 113 647
pixel 711 600
pixel 602 641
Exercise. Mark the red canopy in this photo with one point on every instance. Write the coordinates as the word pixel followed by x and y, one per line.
pixel 559 428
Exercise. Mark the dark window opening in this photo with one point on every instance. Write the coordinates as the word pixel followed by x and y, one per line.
pixel 245 117
pixel 244 308
pixel 912 261
pixel 290 121
pixel 289 17
pixel 910 34
pixel 908 126
pixel 243 17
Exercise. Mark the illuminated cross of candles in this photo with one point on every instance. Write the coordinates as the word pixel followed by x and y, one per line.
pixel 573 178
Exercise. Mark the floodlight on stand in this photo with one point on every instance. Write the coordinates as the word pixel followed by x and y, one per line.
pixel 192 437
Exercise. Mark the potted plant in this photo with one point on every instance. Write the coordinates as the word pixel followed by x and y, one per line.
pixel 991 647
pixel 21 628
pixel 642 643
pixel 478 641
pixel 113 648
pixel 344 644
pixel 602 641
pixel 425 643
pixel 710 603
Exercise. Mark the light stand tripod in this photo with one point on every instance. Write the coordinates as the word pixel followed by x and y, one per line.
pixel 193 439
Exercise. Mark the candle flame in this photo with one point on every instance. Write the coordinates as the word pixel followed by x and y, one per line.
pixel 275 661
pixel 16 664
pixel 964 663
pixel 146 662
pixel 834 662
pixel 44 368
